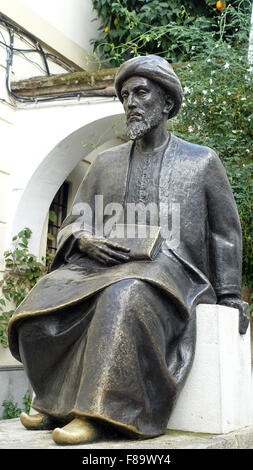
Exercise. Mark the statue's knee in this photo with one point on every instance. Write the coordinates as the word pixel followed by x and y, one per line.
pixel 132 285
pixel 121 297
pixel 126 285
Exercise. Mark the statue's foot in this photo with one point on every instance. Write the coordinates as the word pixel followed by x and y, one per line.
pixel 78 431
pixel 37 422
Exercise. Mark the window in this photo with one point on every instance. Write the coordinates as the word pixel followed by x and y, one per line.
pixel 57 214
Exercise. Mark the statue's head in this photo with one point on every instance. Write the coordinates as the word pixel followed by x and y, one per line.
pixel 150 92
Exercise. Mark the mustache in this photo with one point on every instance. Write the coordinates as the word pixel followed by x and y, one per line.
pixel 134 114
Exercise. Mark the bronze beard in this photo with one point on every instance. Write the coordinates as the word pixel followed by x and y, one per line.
pixel 137 128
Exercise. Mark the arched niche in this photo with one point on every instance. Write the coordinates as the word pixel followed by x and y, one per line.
pixel 82 144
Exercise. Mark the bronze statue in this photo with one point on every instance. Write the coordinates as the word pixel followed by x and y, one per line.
pixel 107 339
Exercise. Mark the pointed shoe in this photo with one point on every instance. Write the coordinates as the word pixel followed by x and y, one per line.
pixel 78 431
pixel 37 422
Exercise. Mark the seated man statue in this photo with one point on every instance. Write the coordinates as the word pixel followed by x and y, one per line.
pixel 107 338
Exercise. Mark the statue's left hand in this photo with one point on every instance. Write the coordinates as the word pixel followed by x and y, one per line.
pixel 103 250
pixel 243 308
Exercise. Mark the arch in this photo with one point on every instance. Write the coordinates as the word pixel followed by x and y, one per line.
pixel 34 204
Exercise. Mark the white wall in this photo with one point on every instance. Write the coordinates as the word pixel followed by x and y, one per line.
pixel 63 25
pixel 71 17
pixel 7 115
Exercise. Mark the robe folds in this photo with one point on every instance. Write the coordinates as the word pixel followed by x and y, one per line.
pixel 116 343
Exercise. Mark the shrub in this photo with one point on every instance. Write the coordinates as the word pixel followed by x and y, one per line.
pixel 12 410
pixel 22 271
pixel 177 29
pixel 217 111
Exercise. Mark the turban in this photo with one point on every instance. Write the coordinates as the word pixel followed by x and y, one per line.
pixel 155 68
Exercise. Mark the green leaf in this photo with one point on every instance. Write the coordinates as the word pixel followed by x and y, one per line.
pixel 52 216
pixel 50 236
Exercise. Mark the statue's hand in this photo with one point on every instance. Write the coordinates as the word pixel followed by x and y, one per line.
pixel 103 250
pixel 243 308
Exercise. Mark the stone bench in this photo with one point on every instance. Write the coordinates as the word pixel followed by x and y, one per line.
pixel 217 396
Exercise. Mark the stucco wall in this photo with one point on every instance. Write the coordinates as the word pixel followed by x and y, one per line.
pixel 71 17
pixel 64 25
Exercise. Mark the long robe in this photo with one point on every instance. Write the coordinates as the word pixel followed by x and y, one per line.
pixel 116 343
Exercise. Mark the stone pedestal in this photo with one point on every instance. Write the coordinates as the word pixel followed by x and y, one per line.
pixel 217 396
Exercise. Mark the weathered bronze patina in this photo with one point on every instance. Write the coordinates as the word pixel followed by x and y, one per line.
pixel 109 340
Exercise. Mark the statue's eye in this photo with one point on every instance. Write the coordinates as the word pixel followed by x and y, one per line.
pixel 142 92
pixel 124 95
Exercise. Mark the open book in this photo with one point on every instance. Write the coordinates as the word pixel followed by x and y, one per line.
pixel 144 241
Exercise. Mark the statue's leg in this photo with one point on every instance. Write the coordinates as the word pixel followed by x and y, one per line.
pixel 137 356
pixel 118 358
pixel 48 345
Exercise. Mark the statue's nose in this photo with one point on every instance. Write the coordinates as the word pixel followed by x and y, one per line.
pixel 131 101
